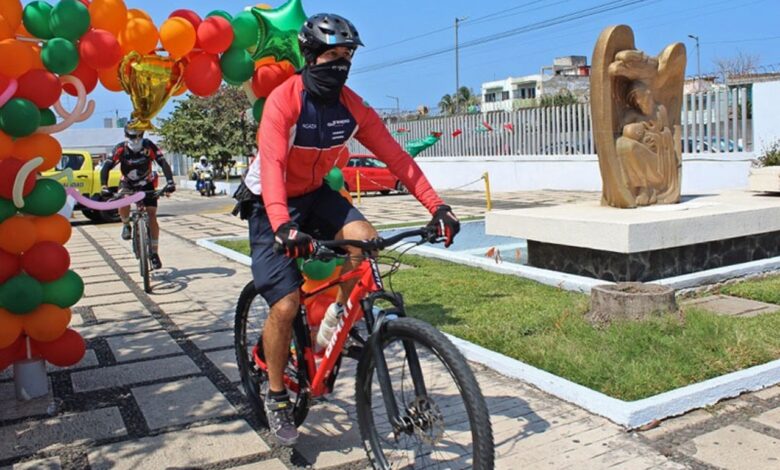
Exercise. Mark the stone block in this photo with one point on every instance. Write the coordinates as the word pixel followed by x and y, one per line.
pixel 765 179
pixel 195 447
pixel 73 428
pixel 732 306
pixel 180 402
pixel 142 345
pixel 128 374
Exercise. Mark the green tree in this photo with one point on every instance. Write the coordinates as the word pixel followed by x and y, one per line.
pixel 460 102
pixel 562 98
pixel 447 104
pixel 218 127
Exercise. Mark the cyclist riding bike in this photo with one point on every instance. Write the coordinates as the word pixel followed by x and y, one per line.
pixel 135 157
pixel 307 122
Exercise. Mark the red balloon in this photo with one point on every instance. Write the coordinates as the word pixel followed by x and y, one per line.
pixel 39 86
pixel 268 77
pixel 9 167
pixel 203 75
pixel 13 353
pixel 9 266
pixel 65 351
pixel 87 75
pixel 188 15
pixel 215 34
pixel 100 49
pixel 46 261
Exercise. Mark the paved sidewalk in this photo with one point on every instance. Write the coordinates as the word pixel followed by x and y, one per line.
pixel 159 388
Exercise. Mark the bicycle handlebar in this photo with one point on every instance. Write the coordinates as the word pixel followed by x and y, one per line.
pixel 323 248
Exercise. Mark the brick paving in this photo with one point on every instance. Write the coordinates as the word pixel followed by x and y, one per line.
pixel 159 388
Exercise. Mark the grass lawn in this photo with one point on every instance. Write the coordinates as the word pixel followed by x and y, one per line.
pixel 544 326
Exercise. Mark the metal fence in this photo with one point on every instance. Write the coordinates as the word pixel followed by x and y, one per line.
pixel 715 121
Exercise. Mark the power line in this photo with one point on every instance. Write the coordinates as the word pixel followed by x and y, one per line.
pixel 742 40
pixel 576 15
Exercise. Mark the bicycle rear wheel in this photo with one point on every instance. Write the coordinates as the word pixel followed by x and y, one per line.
pixel 251 315
pixel 144 245
pixel 446 427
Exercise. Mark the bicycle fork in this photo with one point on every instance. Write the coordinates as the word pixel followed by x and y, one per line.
pixel 401 421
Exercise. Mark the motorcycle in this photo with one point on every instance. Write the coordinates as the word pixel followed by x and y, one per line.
pixel 205 184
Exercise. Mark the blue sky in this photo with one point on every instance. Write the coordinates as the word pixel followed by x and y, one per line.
pixel 725 27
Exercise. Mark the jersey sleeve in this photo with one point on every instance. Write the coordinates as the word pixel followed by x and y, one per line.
pixel 273 146
pixel 154 151
pixel 373 134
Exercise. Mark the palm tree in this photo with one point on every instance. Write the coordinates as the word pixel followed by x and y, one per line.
pixel 447 104
pixel 466 98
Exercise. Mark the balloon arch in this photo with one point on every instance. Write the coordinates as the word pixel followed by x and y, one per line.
pixel 69 47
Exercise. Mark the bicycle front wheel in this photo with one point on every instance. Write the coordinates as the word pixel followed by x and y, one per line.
pixel 447 426
pixel 144 246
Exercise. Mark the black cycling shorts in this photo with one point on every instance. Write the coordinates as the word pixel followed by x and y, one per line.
pixel 321 213
pixel 150 200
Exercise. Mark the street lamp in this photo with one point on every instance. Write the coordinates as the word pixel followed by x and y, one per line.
pixel 397 104
pixel 457 67
pixel 698 62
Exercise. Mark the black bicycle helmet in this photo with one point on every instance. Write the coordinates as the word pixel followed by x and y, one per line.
pixel 132 133
pixel 325 31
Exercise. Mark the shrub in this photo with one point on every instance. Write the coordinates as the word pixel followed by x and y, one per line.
pixel 770 155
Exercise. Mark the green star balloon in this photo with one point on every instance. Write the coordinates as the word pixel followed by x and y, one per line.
pixel 278 32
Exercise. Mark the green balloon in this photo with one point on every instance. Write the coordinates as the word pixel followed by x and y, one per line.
pixel 232 83
pixel 221 13
pixel 60 56
pixel 278 32
pixel 335 179
pixel 257 109
pixel 21 294
pixel 46 198
pixel 237 66
pixel 36 19
pixel 47 117
pixel 245 30
pixel 7 209
pixel 69 19
pixel 19 117
pixel 65 291
pixel 319 270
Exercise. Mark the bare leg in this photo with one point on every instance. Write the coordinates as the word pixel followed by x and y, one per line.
pixel 153 225
pixel 277 334
pixel 124 214
pixel 358 230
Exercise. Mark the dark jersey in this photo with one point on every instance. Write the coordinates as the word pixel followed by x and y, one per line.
pixel 136 167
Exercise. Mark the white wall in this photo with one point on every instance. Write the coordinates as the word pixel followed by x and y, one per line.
pixel 701 173
pixel 766 103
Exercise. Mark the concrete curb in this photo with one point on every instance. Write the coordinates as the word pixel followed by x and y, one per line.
pixel 631 414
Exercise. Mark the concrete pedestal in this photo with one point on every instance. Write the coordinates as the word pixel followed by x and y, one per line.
pixel 766 179
pixel 649 243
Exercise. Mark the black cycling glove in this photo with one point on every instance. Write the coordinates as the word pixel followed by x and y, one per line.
pixel 292 242
pixel 445 223
pixel 170 187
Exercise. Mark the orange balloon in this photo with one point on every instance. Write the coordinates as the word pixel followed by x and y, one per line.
pixel 22 31
pixel 37 62
pixel 38 145
pixel 264 6
pixel 17 58
pixel 17 234
pixel 109 15
pixel 11 10
pixel 177 36
pixel 47 322
pixel 10 328
pixel 265 61
pixel 52 228
pixel 6 31
pixel 135 13
pixel 6 145
pixel 139 35
pixel 109 78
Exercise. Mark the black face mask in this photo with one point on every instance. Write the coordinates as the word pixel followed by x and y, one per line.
pixel 325 81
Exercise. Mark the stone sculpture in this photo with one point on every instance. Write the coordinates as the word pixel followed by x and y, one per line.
pixel 635 106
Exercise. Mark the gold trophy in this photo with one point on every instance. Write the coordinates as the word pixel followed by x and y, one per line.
pixel 150 80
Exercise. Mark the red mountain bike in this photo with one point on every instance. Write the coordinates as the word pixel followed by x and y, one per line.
pixel 418 403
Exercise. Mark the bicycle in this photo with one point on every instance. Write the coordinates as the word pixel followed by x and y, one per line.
pixel 392 408
pixel 142 236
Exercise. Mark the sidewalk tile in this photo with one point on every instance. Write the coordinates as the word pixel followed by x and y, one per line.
pixel 13 409
pixel 180 402
pixel 119 327
pixel 273 464
pixel 191 448
pixel 213 340
pixel 770 418
pixel 128 374
pixel 330 437
pixel 768 393
pixel 118 298
pixel 104 288
pixel 120 312
pixel 225 361
pixel 51 463
pixel 735 448
pixel 142 346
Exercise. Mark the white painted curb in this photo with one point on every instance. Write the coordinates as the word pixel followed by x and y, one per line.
pixel 628 414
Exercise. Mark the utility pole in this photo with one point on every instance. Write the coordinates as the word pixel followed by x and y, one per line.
pixel 457 66
pixel 698 62
pixel 397 105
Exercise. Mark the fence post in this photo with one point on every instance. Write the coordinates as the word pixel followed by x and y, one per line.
pixel 489 203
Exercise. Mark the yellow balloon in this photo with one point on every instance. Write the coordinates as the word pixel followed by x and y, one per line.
pixel 150 80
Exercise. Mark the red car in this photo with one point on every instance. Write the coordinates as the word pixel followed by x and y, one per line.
pixel 374 175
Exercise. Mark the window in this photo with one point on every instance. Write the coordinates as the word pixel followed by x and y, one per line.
pixel 490 97
pixel 504 95
pixel 71 160
pixel 374 163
